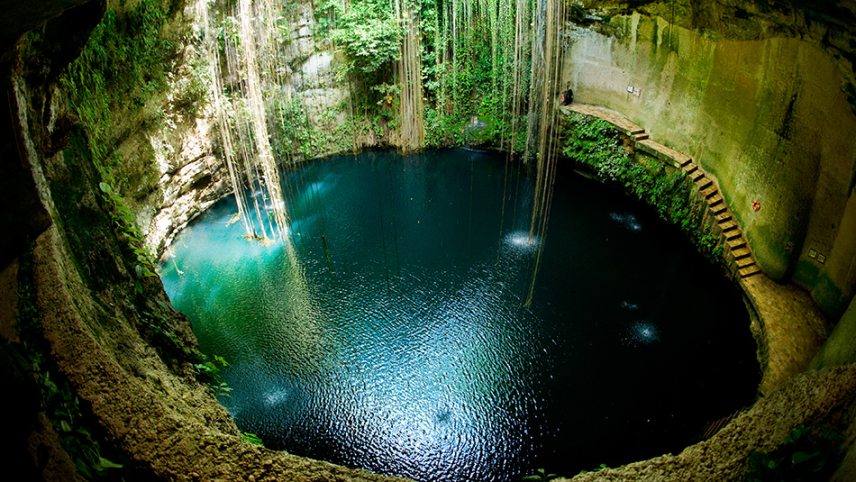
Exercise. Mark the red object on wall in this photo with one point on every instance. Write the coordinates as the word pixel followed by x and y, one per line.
pixel 756 205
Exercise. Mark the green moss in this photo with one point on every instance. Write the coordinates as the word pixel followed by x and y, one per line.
pixel 825 292
pixel 82 217
pixel 123 65
pixel 806 273
pixel 828 296
pixel 597 144
pixel 768 244
pixel 839 348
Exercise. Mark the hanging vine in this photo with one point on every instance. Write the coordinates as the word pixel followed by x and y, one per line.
pixel 243 42
pixel 420 73
pixel 409 73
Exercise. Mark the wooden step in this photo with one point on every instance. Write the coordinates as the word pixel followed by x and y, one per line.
pixel 737 242
pixel 715 199
pixel 726 225
pixel 689 167
pixel 731 233
pixel 703 182
pixel 718 208
pixel 749 271
pixel 742 252
pixel 744 262
pixel 663 153
pixel 708 192
pixel 652 148
pixel 696 175
pixel 723 216
pixel 636 130
pixel 640 137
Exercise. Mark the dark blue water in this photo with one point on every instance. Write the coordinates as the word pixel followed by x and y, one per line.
pixel 396 337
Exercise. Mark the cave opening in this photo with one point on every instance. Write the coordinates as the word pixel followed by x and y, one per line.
pixel 125 121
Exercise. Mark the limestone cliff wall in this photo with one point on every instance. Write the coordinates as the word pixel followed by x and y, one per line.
pixel 767 117
pixel 177 168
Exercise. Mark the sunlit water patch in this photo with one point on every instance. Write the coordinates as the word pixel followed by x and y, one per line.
pixel 642 333
pixel 396 338
pixel 628 221
pixel 522 241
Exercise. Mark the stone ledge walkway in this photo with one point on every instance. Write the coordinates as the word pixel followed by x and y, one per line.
pixel 738 254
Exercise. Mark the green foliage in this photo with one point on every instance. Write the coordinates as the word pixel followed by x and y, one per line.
pixel 228 30
pixel 294 131
pixel 709 244
pixel 806 455
pixel 540 475
pixel 190 90
pixel 157 324
pixel 297 134
pixel 429 26
pixel 466 72
pixel 326 14
pixel 370 36
pixel 473 82
pixel 211 371
pixel 125 222
pixel 388 103
pixel 64 411
pixel 57 397
pixel 251 438
pixel 124 63
pixel 597 144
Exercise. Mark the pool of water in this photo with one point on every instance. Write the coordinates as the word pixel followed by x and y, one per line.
pixel 395 337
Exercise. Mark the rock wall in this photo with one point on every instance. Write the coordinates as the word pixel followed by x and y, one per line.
pixel 766 117
pixel 313 65
pixel 191 178
pixel 839 348
pixel 189 171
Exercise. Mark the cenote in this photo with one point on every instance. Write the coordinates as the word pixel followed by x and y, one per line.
pixel 394 334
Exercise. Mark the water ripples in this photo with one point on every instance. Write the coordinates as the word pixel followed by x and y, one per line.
pixel 398 342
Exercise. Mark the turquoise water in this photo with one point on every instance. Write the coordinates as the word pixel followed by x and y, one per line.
pixel 395 337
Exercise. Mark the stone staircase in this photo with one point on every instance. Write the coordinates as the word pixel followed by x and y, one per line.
pixel 738 253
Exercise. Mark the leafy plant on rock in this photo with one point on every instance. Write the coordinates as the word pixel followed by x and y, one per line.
pixel 805 455
pixel 251 438
pixel 370 36
pixel 211 370
pixel 597 144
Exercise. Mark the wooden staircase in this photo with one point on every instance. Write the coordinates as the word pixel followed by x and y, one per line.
pixel 738 254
